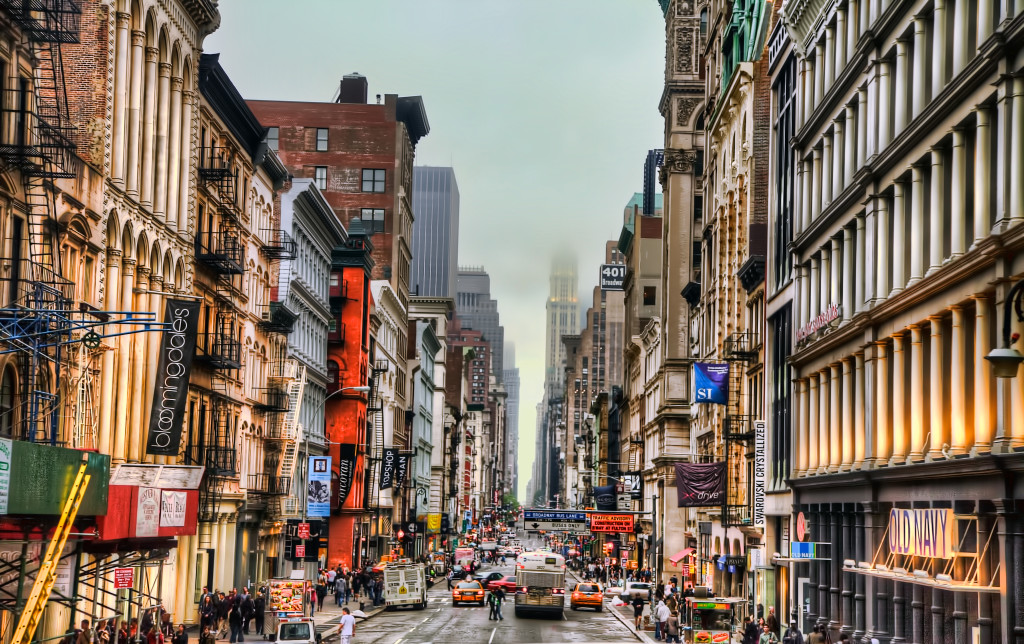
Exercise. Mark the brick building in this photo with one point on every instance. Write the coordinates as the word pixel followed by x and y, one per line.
pixel 361 157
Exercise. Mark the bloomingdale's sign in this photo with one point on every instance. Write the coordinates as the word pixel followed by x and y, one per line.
pixel 178 347
pixel 829 315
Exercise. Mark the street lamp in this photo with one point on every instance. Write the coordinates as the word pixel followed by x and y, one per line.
pixel 1006 360
pixel 363 389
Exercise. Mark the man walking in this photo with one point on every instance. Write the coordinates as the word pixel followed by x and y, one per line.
pixel 348 626
pixel 793 634
pixel 499 597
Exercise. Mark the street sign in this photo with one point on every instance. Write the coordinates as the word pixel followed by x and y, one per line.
pixel 554 520
pixel 611 522
pixel 303 530
pixel 613 277
pixel 124 577
pixel 300 551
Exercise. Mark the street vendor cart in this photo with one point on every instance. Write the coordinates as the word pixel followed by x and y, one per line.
pixel 712 620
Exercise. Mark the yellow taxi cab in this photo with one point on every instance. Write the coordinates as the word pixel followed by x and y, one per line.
pixel 586 595
pixel 468 591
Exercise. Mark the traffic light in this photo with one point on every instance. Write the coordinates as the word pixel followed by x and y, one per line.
pixel 609 546
pixel 400 535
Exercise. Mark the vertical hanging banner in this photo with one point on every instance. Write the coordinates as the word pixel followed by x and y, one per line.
pixel 711 383
pixel 401 468
pixel 346 468
pixel 177 348
pixel 318 490
pixel 387 467
pixel 5 472
pixel 760 471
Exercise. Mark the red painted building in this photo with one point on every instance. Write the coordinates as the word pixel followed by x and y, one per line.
pixel 349 347
pixel 361 156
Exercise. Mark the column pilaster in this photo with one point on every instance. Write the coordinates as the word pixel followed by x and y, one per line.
pixel 823 420
pixel 901 87
pixel 863 133
pixel 937 404
pixel 849 274
pixel 836 267
pixel 940 47
pixel 814 290
pixel 111 290
pixel 960 439
pixel 922 57
pixel 820 65
pixel 135 112
pixel 138 354
pixel 881 204
pixel 826 279
pixel 149 128
pixel 917 225
pixel 961 24
pixel 812 416
pixel 861 275
pixel 883 105
pixel 850 134
pixel 958 195
pixel 860 383
pixel 847 437
pixel 1017 152
pixel 899 400
pixel 122 26
pixel 162 132
pixel 827 163
pixel 829 60
pixel 899 240
pixel 982 174
pixel 185 159
pixel 937 209
pixel 841 52
pixel 816 184
pixel 983 399
pixel 174 155
pixel 801 386
pixel 917 394
pixel 835 424
pixel 120 446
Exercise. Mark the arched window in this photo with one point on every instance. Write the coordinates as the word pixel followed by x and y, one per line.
pixel 7 389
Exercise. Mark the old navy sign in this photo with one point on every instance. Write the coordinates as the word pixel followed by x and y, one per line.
pixel 921 533
pixel 177 348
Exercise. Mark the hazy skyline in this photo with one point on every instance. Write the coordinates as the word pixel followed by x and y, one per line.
pixel 544 108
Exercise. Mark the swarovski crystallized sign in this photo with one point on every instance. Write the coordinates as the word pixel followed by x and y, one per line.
pixel 921 533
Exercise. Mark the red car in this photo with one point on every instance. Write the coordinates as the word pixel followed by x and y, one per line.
pixel 508 584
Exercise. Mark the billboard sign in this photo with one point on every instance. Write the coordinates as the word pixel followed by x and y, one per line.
pixel 177 349
pixel 318 487
pixel 700 484
pixel 611 522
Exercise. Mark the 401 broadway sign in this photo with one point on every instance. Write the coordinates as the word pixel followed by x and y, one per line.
pixel 177 349
pixel 921 533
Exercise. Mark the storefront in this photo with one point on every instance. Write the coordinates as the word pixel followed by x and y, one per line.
pixel 926 553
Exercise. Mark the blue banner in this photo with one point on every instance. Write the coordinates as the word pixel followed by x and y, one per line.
pixel 318 487
pixel 711 382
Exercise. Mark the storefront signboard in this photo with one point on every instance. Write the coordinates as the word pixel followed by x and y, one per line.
pixel 172 508
pixel 760 471
pixel 921 533
pixel 147 517
pixel 802 549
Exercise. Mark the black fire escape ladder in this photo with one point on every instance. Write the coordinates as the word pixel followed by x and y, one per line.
pixel 740 350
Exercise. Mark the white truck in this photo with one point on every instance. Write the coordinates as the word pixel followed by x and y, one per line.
pixel 405 584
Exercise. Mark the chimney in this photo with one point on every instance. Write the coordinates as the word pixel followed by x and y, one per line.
pixel 354 89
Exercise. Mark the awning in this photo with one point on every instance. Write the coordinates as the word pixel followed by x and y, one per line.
pixel 685 552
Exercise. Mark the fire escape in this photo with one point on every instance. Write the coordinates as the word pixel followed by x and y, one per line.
pixel 220 250
pixel 741 350
pixel 281 399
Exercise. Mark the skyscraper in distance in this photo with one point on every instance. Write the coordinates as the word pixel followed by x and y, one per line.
pixel 562 311
pixel 435 231
pixel 510 377
pixel 477 310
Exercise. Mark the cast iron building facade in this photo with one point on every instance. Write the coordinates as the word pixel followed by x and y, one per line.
pixel 435 231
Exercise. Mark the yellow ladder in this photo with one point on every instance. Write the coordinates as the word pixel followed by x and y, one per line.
pixel 47 574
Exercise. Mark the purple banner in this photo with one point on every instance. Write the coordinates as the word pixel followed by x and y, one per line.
pixel 700 484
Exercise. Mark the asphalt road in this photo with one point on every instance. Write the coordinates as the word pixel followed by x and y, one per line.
pixel 440 623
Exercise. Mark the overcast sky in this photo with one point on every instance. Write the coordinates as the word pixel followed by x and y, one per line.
pixel 545 108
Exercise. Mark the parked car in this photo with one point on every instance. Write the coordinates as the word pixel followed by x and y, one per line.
pixel 613 591
pixel 468 591
pixel 634 589
pixel 507 583
pixel 586 595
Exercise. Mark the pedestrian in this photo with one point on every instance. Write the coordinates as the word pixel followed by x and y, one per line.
pixel 638 611
pixel 340 587
pixel 147 621
pixel 499 599
pixel 767 636
pixel 154 636
pixel 449 577
pixel 378 588
pixel 671 627
pixel 793 634
pixel 772 621
pixel 309 595
pixel 223 606
pixel 180 636
pixel 122 633
pixel 101 635
pixel 817 635
pixel 661 616
pixel 356 585
pixel 85 635
pixel 235 623
pixel 348 626
pixel 750 631
pixel 321 591
pixel 259 611
pixel 208 636
pixel 248 610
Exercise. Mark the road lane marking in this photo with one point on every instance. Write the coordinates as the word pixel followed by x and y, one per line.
pixel 493 631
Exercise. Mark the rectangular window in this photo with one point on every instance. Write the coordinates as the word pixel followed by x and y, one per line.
pixel 650 295
pixel 373 219
pixel 321 139
pixel 320 176
pixel 373 180
pixel 272 136
pixel 785 164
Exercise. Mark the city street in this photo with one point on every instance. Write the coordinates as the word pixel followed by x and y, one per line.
pixel 442 622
